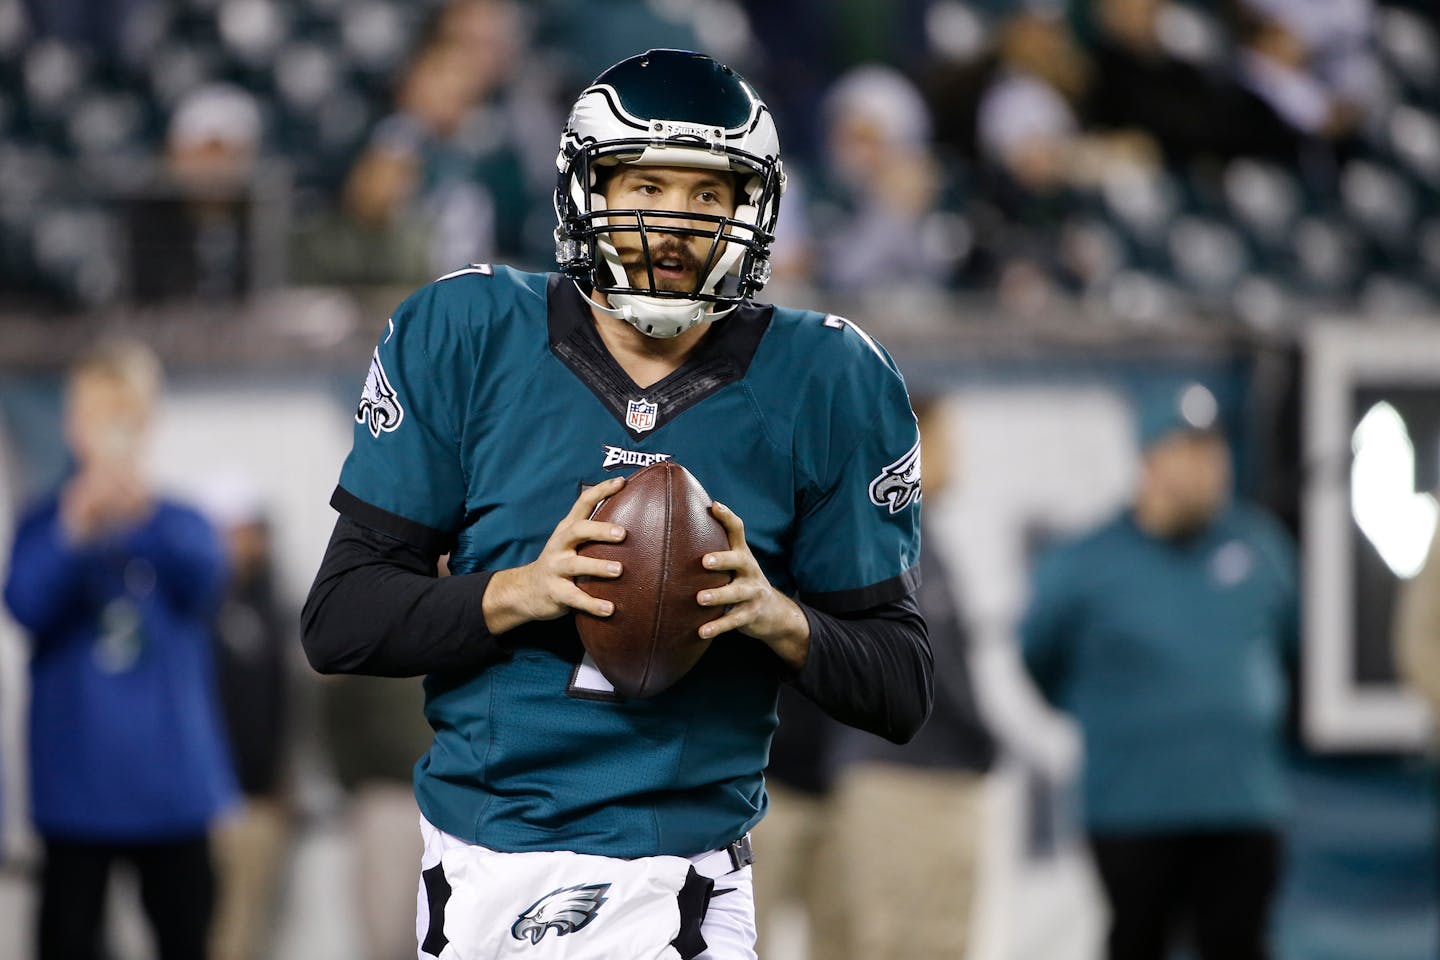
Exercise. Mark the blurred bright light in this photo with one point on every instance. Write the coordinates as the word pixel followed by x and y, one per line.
pixel 1396 520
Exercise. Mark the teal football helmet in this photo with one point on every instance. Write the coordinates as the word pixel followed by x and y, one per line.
pixel 680 109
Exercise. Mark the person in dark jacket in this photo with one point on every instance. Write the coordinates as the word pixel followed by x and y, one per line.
pixel 1169 634
pixel 256 635
pixel 908 819
pixel 116 587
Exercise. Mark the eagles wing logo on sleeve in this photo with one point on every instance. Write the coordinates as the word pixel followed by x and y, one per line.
pixel 379 408
pixel 565 910
pixel 898 485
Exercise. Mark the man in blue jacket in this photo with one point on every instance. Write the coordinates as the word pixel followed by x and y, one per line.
pixel 116 588
pixel 1167 633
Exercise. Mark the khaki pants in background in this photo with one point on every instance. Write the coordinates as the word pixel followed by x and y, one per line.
pixel 908 847
pixel 384 823
pixel 251 848
pixel 796 867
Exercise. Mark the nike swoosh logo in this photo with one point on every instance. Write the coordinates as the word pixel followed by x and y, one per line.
pixel 721 893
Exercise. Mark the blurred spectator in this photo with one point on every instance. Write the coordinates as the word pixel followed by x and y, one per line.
pixel 906 821
pixel 255 637
pixel 1191 110
pixel 514 117
pixel 879 213
pixel 194 234
pixel 1032 154
pixel 1167 634
pixel 1026 123
pixel 374 238
pixel 1279 63
pixel 804 871
pixel 117 586
pixel 376 729
pixel 516 89
pixel 441 182
pixel 593 34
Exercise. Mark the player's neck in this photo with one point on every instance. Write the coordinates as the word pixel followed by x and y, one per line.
pixel 646 360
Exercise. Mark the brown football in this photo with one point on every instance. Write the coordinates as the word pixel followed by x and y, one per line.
pixel 652 639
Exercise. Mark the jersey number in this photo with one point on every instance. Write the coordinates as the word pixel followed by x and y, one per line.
pixel 588 683
pixel 840 323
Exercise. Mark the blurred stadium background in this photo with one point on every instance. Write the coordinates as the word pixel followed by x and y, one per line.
pixel 1044 209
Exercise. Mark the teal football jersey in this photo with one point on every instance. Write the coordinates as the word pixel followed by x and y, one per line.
pixel 489 404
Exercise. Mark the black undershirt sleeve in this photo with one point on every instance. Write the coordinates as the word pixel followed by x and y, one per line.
pixel 872 669
pixel 378 608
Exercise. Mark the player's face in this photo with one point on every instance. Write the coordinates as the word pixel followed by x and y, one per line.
pixel 680 262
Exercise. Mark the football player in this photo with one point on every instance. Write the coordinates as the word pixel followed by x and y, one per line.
pixel 499 409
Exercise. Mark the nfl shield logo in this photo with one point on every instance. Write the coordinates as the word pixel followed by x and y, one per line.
pixel 640 415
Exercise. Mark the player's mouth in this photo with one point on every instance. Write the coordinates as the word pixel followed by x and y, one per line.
pixel 671 267
pixel 674 268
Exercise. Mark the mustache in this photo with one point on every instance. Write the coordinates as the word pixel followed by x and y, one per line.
pixel 635 256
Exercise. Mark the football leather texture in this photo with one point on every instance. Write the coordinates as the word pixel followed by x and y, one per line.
pixel 652 638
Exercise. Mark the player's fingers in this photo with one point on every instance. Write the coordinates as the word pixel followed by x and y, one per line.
pixel 577 599
pixel 590 497
pixel 734 619
pixel 736 591
pixel 724 560
pixel 734 526
pixel 578 566
pixel 586 531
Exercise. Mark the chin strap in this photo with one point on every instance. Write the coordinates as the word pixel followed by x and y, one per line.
pixel 655 316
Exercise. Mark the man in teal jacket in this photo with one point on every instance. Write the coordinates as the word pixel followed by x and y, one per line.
pixel 1167 634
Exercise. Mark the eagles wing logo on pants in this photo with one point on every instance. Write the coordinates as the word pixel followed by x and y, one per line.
pixel 566 910
pixel 379 408
pixel 898 485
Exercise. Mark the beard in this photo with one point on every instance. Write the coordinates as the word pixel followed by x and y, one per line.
pixel 678 256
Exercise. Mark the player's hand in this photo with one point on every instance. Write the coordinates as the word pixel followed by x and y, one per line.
pixel 749 603
pixel 545 589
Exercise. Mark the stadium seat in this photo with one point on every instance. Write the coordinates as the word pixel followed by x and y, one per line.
pixel 253 31
pixel 103 124
pixel 306 74
pixel 1329 256
pixel 1143 298
pixel 1261 302
pixel 1208 257
pixel 1385 295
pixel 1093 250
pixel 74 250
pixel 1414 139
pixel 179 67
pixel 1380 200
pixel 1263 198
pixel 1193 34
pixel 1409 46
pixel 1141 201
pixel 53 73
pixel 374 35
